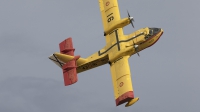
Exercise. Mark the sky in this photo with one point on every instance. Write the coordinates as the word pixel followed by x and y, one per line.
pixel 166 76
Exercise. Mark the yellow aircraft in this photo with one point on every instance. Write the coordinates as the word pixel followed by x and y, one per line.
pixel 118 49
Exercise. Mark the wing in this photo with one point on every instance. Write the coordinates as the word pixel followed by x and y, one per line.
pixel 121 79
pixel 110 14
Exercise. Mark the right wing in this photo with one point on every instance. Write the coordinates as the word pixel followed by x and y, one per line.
pixel 121 78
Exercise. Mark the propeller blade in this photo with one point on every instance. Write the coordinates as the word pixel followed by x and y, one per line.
pixel 138 54
pixel 131 19
pixel 132 24
pixel 135 47
pixel 128 14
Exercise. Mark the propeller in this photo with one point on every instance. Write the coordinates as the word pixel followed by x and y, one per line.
pixel 136 48
pixel 131 19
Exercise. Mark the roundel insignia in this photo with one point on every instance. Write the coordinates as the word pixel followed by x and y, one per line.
pixel 107 3
pixel 121 84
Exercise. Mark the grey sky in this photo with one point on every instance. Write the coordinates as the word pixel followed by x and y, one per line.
pixel 165 77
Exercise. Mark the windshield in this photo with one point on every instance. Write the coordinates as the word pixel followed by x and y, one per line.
pixel 150 33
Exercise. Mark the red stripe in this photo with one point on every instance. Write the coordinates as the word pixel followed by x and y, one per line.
pixel 124 98
pixel 155 41
pixel 152 43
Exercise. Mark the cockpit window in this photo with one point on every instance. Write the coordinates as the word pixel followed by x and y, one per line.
pixel 150 34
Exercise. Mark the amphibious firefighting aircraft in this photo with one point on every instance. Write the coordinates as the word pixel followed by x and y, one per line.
pixel 118 49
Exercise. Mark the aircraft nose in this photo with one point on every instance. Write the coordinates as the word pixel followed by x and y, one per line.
pixel 156 30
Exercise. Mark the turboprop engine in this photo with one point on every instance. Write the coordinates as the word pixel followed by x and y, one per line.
pixel 119 24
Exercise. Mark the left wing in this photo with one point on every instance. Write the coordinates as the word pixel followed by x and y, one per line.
pixel 122 84
pixel 110 14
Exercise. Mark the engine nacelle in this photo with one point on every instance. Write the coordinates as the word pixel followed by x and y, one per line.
pixel 119 24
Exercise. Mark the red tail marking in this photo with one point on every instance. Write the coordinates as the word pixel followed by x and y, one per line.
pixel 66 47
pixel 69 68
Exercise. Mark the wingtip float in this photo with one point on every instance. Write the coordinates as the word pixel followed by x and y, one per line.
pixel 119 48
pixel 132 101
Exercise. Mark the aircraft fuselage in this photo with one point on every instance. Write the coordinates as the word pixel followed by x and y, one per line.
pixel 125 45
